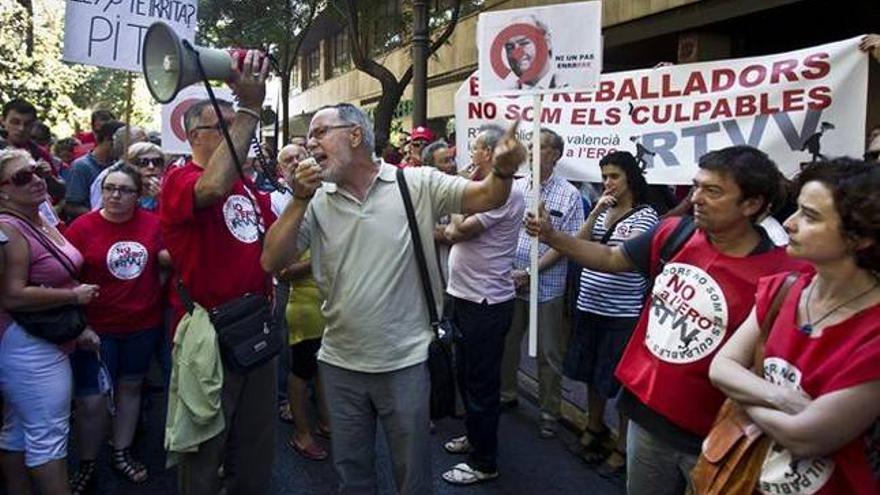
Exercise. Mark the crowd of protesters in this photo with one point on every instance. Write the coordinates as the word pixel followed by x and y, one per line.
pixel 662 311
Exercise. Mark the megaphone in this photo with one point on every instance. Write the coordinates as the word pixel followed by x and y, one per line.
pixel 169 66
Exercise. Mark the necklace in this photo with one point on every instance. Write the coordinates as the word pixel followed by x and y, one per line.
pixel 807 327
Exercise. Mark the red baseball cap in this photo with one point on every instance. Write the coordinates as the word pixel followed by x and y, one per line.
pixel 421 132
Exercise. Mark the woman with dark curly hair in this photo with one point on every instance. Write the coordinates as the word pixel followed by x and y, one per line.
pixel 819 397
pixel 608 306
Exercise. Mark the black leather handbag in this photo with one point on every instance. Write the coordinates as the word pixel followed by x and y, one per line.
pixel 56 325
pixel 440 361
pixel 59 324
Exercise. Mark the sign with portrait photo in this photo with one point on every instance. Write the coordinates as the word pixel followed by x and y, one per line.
pixel 540 49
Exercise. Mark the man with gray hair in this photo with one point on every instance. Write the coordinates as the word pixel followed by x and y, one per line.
pixel 372 359
pixel 482 290
pixel 212 222
pixel 439 156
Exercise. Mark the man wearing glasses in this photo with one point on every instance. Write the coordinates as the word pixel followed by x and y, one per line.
pixel 212 220
pixel 372 359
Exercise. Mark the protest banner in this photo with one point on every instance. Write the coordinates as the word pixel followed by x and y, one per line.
pixel 791 105
pixel 109 33
pixel 540 50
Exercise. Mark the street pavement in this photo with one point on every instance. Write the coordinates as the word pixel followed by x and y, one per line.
pixel 527 463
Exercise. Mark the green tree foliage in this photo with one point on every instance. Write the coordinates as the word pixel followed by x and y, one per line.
pixel 42 78
pixel 378 26
pixel 64 94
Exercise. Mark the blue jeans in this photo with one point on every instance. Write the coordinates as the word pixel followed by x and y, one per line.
pixel 127 357
pixel 480 330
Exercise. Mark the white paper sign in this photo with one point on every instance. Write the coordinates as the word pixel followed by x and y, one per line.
pixel 787 105
pixel 109 33
pixel 540 49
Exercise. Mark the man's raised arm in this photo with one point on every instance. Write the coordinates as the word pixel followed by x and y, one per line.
pixel 493 190
pixel 249 85
pixel 280 249
pixel 593 255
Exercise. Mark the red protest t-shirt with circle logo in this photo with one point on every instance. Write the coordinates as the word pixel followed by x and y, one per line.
pixel 698 300
pixel 845 355
pixel 123 259
pixel 216 249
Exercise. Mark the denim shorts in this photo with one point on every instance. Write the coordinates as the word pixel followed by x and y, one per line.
pixel 127 357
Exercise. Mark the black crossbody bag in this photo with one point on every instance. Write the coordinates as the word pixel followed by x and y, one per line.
pixel 440 366
pixel 246 331
pixel 59 324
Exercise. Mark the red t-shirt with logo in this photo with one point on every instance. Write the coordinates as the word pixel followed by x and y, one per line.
pixel 698 300
pixel 845 355
pixel 216 249
pixel 123 259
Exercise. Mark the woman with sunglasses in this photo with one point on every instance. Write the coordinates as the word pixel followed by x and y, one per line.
pixel 148 159
pixel 35 376
pixel 819 396
pixel 122 247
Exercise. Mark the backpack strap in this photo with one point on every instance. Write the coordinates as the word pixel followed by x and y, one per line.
pixel 676 240
pixel 609 232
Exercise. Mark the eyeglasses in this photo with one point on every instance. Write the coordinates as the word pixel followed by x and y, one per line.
pixel 147 162
pixel 318 133
pixel 24 177
pixel 122 190
pixel 215 127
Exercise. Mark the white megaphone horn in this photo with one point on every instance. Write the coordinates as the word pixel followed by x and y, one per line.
pixel 169 66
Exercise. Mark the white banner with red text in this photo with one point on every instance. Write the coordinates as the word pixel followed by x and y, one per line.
pixel 794 106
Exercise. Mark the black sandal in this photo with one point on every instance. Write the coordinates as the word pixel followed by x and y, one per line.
pixel 124 464
pixel 594 451
pixel 83 479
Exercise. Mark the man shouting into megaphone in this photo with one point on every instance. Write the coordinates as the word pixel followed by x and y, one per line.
pixel 213 221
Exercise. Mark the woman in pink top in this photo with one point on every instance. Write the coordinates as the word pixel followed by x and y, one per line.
pixel 819 397
pixel 35 376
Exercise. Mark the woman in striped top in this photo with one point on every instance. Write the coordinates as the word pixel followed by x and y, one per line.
pixel 608 306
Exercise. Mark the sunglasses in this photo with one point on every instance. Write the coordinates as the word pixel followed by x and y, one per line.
pixel 148 162
pixel 24 177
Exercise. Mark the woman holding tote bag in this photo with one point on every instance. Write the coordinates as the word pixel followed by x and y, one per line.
pixel 819 398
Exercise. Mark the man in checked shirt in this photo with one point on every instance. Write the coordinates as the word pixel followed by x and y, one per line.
pixel 563 202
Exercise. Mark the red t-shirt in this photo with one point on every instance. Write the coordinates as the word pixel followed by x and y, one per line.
pixel 215 250
pixel 123 259
pixel 700 298
pixel 845 355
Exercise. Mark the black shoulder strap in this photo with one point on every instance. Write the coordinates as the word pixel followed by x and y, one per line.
pixel 610 230
pixel 417 247
pixel 676 240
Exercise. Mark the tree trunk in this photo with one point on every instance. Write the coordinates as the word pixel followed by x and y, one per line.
pixel 384 114
pixel 285 110
pixel 29 34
